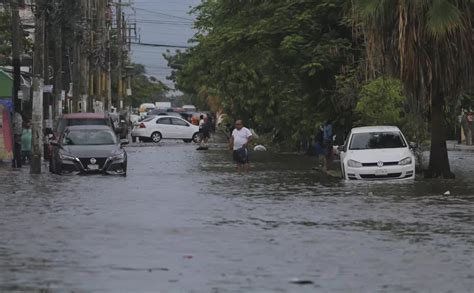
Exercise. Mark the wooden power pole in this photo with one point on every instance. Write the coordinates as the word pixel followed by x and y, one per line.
pixel 38 83
pixel 16 74
pixel 120 55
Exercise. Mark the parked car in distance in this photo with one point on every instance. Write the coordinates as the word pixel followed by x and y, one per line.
pixel 144 108
pixel 189 108
pixel 377 152
pixel 86 149
pixel 160 112
pixel 156 128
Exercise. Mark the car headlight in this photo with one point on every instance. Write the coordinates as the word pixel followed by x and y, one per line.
pixel 406 161
pixel 354 164
pixel 118 156
pixel 64 156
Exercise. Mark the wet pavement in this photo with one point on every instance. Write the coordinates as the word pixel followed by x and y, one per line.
pixel 183 221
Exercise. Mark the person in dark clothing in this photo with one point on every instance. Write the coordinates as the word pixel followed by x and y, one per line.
pixel 319 144
pixel 206 131
pixel 328 144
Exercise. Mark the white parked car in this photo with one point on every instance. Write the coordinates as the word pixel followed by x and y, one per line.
pixel 377 152
pixel 156 128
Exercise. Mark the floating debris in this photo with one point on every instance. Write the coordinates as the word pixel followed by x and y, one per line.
pixel 301 281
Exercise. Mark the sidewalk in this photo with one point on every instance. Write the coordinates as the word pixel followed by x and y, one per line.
pixel 454 146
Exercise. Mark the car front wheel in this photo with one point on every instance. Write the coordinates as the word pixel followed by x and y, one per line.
pixel 156 137
pixel 197 137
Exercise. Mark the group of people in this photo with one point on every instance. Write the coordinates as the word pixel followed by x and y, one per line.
pixel 241 137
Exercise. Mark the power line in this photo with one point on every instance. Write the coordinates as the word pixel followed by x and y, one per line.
pixel 163 22
pixel 160 45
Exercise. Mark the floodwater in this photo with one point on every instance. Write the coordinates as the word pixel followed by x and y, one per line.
pixel 183 221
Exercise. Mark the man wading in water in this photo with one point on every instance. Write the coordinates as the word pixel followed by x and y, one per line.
pixel 241 137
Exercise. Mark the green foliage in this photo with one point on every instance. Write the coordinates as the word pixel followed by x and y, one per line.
pixel 5 33
pixel 381 103
pixel 272 63
pixel 145 89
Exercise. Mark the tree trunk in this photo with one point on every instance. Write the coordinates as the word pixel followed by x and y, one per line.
pixel 439 161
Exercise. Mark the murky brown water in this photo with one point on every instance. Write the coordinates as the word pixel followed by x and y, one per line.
pixel 184 221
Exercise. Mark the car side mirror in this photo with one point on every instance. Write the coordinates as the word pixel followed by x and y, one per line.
pixel 341 148
pixel 124 142
pixel 413 145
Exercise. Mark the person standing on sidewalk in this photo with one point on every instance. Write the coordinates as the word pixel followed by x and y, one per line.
pixel 239 141
pixel 466 124
pixel 26 143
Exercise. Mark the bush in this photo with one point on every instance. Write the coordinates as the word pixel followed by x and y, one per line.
pixel 381 103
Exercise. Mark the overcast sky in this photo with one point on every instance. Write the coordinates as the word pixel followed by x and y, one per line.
pixel 161 22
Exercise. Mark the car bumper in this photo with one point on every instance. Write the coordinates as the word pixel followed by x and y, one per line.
pixel 380 173
pixel 111 166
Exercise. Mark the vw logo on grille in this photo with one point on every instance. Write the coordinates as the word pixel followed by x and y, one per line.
pixel 380 163
pixel 93 161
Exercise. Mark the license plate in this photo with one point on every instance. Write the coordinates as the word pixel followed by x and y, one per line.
pixel 93 167
pixel 381 172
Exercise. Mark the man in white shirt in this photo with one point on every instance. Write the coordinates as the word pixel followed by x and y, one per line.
pixel 241 137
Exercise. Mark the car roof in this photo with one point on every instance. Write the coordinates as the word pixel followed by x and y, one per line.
pixel 84 116
pixel 167 116
pixel 89 127
pixel 369 129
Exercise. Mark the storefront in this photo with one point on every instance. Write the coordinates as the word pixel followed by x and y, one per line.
pixel 6 107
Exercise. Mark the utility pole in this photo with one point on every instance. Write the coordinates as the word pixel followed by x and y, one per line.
pixel 100 29
pixel 58 68
pixel 108 49
pixel 16 163
pixel 76 71
pixel 38 83
pixel 84 61
pixel 58 72
pixel 120 55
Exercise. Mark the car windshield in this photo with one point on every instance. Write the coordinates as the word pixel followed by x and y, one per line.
pixel 89 137
pixel 377 140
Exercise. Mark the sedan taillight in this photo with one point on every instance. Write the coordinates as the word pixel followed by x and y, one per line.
pixel 142 125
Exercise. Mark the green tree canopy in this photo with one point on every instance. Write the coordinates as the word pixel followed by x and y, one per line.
pixel 145 88
pixel 271 63
pixel 381 103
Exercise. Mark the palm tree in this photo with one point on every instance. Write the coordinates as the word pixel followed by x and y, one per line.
pixel 429 44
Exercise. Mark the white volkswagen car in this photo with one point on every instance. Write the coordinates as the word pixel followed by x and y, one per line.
pixel 377 152
pixel 156 128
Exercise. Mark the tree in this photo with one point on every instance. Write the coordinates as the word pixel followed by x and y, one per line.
pixel 5 35
pixel 271 63
pixel 429 45
pixel 145 89
pixel 381 102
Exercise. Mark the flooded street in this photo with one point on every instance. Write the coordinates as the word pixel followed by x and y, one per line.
pixel 184 221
